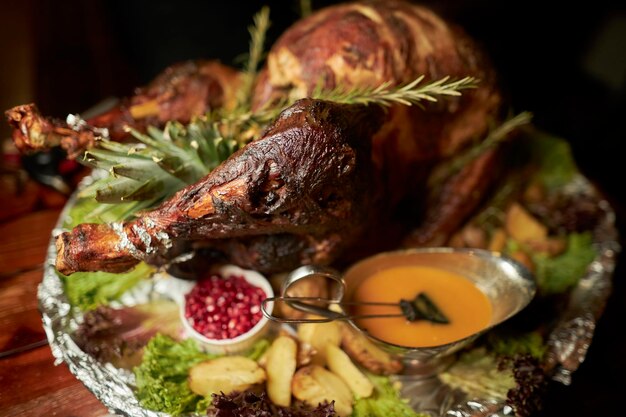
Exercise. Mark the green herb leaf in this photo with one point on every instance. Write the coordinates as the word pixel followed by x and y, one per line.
pixel 495 137
pixel 161 378
pixel 559 274
pixel 88 290
pixel 88 210
pixel 422 308
pixel 516 345
pixel 305 8
pixel 554 158
pixel 257 39
pixel 162 163
pixel 386 401
pixel 386 95
pixel 480 375
pixel 258 349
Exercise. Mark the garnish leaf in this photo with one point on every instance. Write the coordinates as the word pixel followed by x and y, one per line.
pixel 497 136
pixel 162 163
pixel 386 95
pixel 162 376
pixel 480 375
pixel 257 39
pixel 88 210
pixel 554 159
pixel 512 345
pixel 520 381
pixel 422 308
pixel 386 401
pixel 558 274
pixel 88 290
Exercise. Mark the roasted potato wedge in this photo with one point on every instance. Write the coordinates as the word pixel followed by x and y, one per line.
pixel 227 374
pixel 365 353
pixel 339 363
pixel 498 240
pixel 314 385
pixel 470 236
pixel 522 226
pixel 280 366
pixel 318 335
pixel 306 353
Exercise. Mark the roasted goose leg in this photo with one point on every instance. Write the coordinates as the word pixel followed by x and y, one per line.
pixel 179 93
pixel 447 209
pixel 307 188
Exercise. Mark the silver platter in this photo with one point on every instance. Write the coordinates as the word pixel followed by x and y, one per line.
pixel 568 342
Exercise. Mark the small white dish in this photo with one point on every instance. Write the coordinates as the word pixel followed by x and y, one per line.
pixel 244 341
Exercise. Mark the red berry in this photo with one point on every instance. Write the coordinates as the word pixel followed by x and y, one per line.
pixel 223 308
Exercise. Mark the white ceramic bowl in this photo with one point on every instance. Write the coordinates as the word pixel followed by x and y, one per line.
pixel 244 341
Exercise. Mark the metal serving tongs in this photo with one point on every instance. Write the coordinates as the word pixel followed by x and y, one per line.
pixel 325 310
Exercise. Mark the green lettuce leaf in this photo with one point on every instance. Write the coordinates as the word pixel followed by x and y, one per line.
pixel 559 274
pixel 520 382
pixel 88 290
pixel 162 376
pixel 88 210
pixel 480 375
pixel 386 401
pixel 554 159
pixel 516 345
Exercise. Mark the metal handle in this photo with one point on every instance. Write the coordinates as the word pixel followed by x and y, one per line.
pixel 309 271
pixel 321 314
pixel 298 303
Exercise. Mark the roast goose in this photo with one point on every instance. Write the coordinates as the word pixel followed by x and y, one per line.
pixel 324 180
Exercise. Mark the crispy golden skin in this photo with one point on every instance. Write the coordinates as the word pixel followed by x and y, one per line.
pixel 302 193
pixel 234 208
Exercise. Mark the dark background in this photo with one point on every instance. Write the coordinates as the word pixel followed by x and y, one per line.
pixel 566 64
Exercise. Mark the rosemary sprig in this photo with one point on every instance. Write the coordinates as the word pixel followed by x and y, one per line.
pixel 408 94
pixel 238 122
pixel 493 139
pixel 243 126
pixel 258 33
pixel 306 8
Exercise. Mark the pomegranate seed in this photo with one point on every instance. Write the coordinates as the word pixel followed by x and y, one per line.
pixel 223 308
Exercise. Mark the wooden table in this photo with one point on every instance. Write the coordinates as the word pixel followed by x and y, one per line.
pixel 31 385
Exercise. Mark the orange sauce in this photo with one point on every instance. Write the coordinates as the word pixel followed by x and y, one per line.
pixel 465 306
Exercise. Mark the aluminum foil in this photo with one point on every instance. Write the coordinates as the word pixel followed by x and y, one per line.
pixel 567 344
